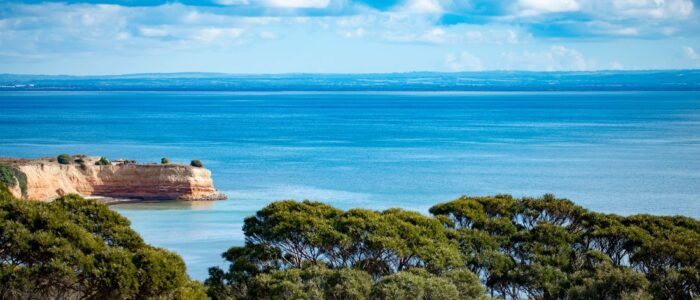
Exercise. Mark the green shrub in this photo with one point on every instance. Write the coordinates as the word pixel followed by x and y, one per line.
pixel 196 163
pixel 12 176
pixel 7 176
pixel 64 159
pixel 81 162
pixel 467 283
pixel 164 161
pixel 103 161
pixel 22 180
pixel 402 285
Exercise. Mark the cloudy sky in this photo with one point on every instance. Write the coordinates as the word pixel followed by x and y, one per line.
pixel 346 36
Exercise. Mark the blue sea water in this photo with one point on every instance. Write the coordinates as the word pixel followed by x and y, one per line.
pixel 616 152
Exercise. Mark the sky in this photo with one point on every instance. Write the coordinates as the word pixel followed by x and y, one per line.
pixel 346 36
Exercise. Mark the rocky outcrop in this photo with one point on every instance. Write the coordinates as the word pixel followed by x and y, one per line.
pixel 46 180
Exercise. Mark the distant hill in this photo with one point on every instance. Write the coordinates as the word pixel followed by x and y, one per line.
pixel 674 80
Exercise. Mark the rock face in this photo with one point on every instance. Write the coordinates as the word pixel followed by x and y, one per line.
pixel 48 180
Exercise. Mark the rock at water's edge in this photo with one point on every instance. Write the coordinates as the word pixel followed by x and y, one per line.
pixel 47 180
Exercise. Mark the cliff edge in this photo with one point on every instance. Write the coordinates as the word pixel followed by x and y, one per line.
pixel 46 179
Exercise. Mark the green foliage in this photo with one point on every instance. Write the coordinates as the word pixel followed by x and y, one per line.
pixel 357 245
pixel 10 177
pixel 164 161
pixel 192 290
pixel 402 285
pixel 103 161
pixel 77 248
pixel 308 282
pixel 196 163
pixel 81 161
pixel 64 159
pixel 420 284
pixel 7 176
pixel 466 282
pixel 605 281
pixel 538 248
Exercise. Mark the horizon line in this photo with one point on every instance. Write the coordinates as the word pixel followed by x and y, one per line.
pixel 356 74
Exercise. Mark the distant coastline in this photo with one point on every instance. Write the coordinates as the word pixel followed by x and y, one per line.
pixel 666 80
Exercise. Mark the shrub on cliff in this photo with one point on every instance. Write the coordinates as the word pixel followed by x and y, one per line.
pixel 196 163
pixel 81 161
pixel 103 161
pixel 64 159
pixel 10 177
pixel 164 161
pixel 75 248
pixel 7 177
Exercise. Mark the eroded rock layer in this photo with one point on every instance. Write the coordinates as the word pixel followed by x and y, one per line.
pixel 47 180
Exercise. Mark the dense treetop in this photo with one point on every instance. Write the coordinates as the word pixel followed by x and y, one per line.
pixel 469 248
pixel 74 248
pixel 472 247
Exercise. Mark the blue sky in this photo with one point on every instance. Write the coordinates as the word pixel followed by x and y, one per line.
pixel 345 36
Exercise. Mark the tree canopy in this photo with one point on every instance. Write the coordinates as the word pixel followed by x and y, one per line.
pixel 74 248
pixel 472 247
pixel 469 248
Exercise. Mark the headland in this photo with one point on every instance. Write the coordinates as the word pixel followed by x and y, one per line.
pixel 45 179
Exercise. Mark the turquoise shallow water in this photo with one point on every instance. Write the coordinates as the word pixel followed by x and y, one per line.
pixel 625 152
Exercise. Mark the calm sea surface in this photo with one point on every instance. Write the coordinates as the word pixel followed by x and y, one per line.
pixel 624 153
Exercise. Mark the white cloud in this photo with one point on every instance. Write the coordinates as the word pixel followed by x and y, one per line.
pixel 435 35
pixel 216 34
pixel 629 31
pixel 645 8
pixel 232 2
pixel 268 35
pixel 620 13
pixel 690 53
pixel 537 7
pixel 358 32
pixel 432 36
pixel 464 61
pixel 422 7
pixel 201 34
pixel 153 31
pixel 50 30
pixel 556 58
pixel 493 36
pixel 616 65
pixel 296 3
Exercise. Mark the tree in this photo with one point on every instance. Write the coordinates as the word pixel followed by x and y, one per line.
pixel 78 248
pixel 539 248
pixel 164 161
pixel 64 159
pixel 103 161
pixel 196 163
pixel 602 280
pixel 310 282
pixel 402 285
pixel 416 284
pixel 467 283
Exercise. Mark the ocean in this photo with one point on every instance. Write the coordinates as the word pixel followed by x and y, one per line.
pixel 614 152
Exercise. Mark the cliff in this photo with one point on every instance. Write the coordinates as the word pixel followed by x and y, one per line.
pixel 47 179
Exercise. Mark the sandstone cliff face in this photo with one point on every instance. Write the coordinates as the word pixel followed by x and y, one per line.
pixel 49 180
